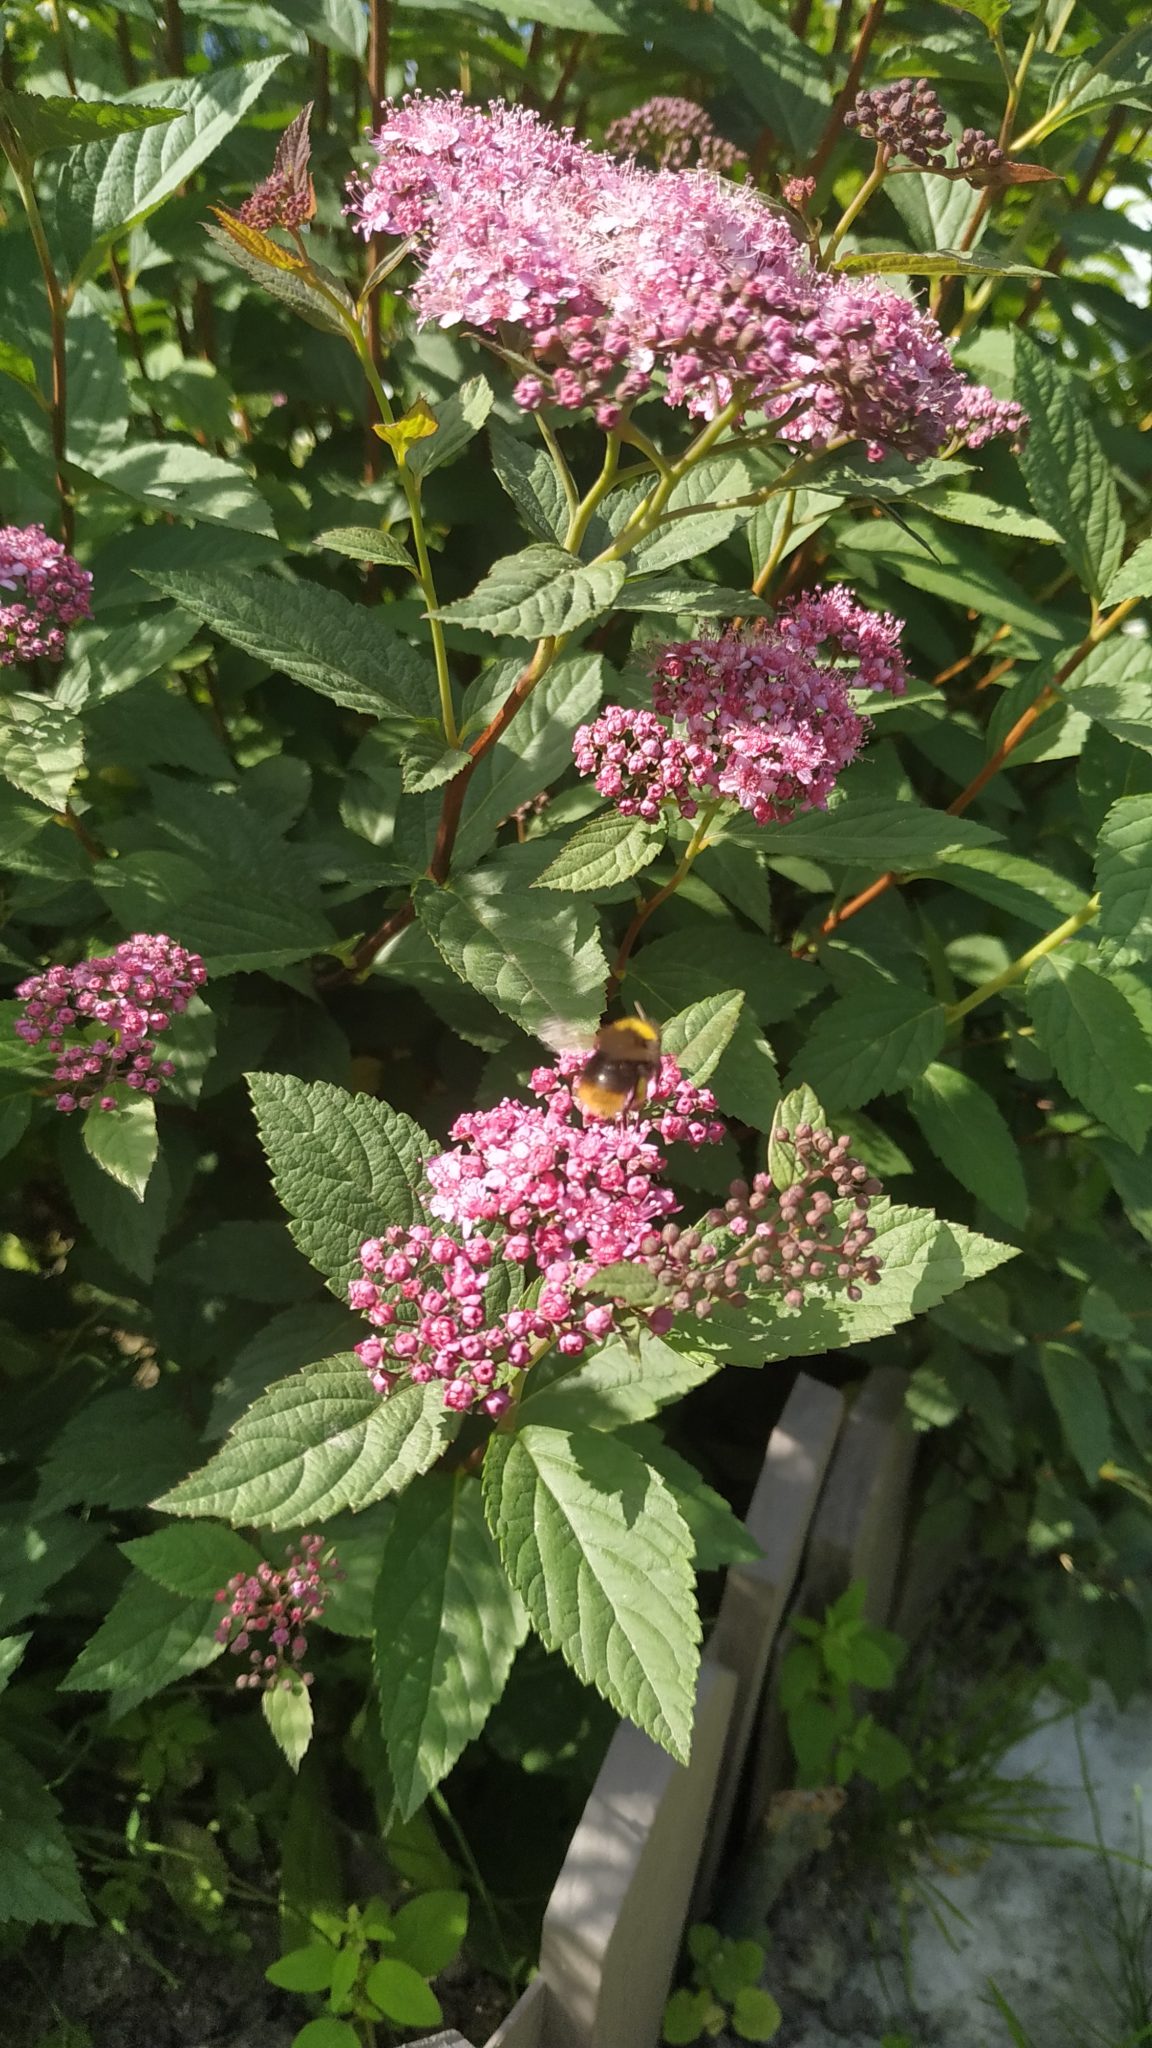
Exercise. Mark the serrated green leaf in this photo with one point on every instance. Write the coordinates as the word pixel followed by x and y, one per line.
pixel 123 1141
pixel 287 1708
pixel 401 1994
pixel 327 643
pixel 870 1043
pixel 188 482
pixel 718 1537
pixel 219 915
pixel 316 1443
pixel 34 1554
pixel 682 594
pixel 12 1649
pixel 115 1451
pixel 39 1880
pixel 1068 476
pixel 344 1166
pixel 1124 876
pixel 937 558
pixel 47 121
pixel 605 851
pixel 619 1384
pixel 1133 578
pixel 446 1627
pixel 698 1036
pixel 923 1260
pixel 531 957
pixel 114 185
pixel 248 251
pixel 690 532
pixel 601 1556
pixel 194 1559
pixel 148 1638
pixel 528 476
pixel 536 748
pixel 1022 887
pixel 907 837
pixel 1113 687
pixel 1093 1037
pixel 366 544
pixel 1079 1400
pixel 798 1108
pixel 41 749
pixel 458 418
pixel 427 763
pixel 539 592
pixel 965 1128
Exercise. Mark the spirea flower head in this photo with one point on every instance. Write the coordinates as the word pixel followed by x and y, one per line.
pixel 269 1610
pixel 610 280
pixel 43 591
pixel 101 1018
pixel 673 133
pixel 764 717
pixel 287 198
pixel 907 117
pixel 536 1188
pixel 982 417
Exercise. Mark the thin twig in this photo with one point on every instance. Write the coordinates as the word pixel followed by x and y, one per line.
pixel 848 90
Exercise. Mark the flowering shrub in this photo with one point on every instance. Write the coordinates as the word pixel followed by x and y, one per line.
pixel 574 813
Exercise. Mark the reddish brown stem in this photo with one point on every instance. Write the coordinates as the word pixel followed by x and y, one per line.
pixel 379 44
pixel 137 346
pixel 174 38
pixel 849 89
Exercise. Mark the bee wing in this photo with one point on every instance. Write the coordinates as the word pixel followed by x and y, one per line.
pixel 560 1035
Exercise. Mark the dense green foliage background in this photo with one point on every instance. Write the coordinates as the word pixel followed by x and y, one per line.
pixel 239 752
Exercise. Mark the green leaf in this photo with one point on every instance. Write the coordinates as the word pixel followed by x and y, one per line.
pixel 869 832
pixel 148 1638
pixel 684 594
pixel 113 186
pixel 190 483
pixel 936 558
pixel 1124 877
pixel 217 912
pixel 1113 687
pixel 619 1384
pixel 41 749
pixel 1093 1037
pixel 755 2014
pixel 684 2017
pixel 1131 1176
pixel 263 260
pixel 966 1129
pixel 287 1708
pixel 936 263
pixel 194 1559
pixel 39 1880
pixel 366 544
pixel 343 1165
pixel 601 1556
pixel 541 591
pixel 427 763
pixel 458 418
pixel 314 1444
pixel 607 850
pixel 698 1037
pixel 972 508
pixel 326 2033
pixel 12 1649
pixel 303 1969
pixel 1069 478
pixel 529 477
pixel 1022 887
pixel 15 364
pixel 429 1931
pixel 870 1043
pixel 923 1260
pixel 446 1626
pixel 34 1554
pixel 1078 1398
pixel 1121 72
pixel 115 1451
pixel 340 24
pixel 532 958
pixel 46 121
pixel 1133 578
pixel 535 750
pixel 402 1995
pixel 718 1537
pixel 322 639
pixel 123 1141
pixel 799 1107
pixel 689 532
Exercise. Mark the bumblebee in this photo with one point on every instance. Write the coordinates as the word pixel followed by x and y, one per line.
pixel 620 1067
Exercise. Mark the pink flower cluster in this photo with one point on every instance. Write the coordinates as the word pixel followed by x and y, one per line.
pixel 129 996
pixel 604 280
pixel 673 133
pixel 276 1607
pixel 982 417
pixel 43 591
pixel 759 718
pixel 535 1188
